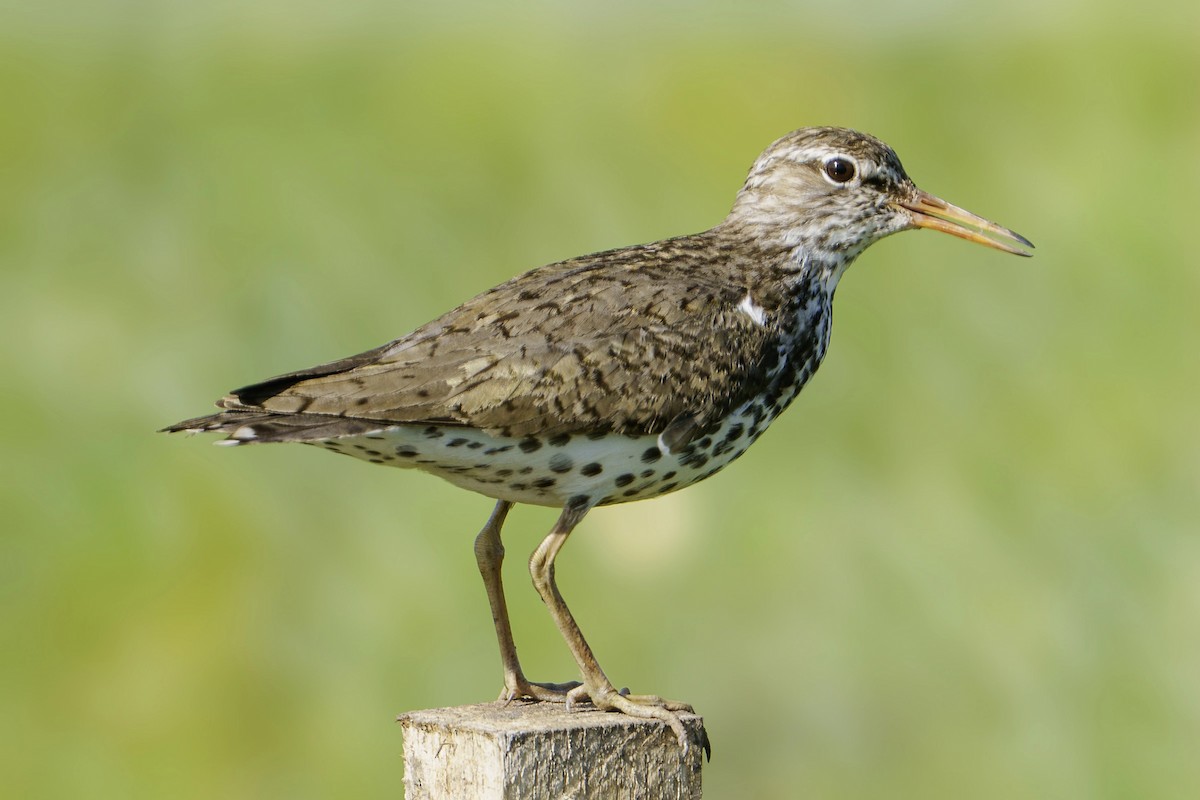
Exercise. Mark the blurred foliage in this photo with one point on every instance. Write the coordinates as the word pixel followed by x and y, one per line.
pixel 965 564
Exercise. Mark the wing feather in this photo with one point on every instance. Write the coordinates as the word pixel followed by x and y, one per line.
pixel 620 341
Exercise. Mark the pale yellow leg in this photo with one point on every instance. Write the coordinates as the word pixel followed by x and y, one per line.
pixel 596 686
pixel 489 554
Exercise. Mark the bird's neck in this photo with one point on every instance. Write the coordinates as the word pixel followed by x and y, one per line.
pixel 811 273
pixel 808 282
pixel 797 268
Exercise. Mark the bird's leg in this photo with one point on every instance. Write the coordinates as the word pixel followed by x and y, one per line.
pixel 596 685
pixel 489 554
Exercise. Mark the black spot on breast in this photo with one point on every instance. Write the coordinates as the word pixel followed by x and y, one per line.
pixel 529 445
pixel 623 480
pixel 559 440
pixel 433 432
pixel 475 445
pixel 591 469
pixel 577 502
pixel 667 487
pixel 544 483
pixel 651 455
pixel 457 442
pixel 561 463
pixel 504 473
pixel 646 473
pixel 407 451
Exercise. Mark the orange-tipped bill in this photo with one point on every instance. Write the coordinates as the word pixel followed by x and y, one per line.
pixel 936 214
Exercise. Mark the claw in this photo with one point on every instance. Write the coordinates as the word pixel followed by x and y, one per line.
pixel 704 743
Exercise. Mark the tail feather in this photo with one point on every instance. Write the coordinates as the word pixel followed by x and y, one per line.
pixel 247 427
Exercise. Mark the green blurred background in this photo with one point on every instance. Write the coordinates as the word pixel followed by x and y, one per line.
pixel 965 564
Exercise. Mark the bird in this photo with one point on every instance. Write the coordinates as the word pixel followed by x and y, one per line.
pixel 613 377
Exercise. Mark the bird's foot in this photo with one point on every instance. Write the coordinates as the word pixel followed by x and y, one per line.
pixel 644 706
pixel 517 688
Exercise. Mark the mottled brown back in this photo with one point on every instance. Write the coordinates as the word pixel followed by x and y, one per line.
pixel 605 342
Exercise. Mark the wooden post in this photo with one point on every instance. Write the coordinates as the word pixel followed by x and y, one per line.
pixel 498 751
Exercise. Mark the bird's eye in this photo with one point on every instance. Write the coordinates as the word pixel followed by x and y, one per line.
pixel 840 170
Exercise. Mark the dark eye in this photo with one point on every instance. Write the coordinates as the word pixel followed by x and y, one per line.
pixel 840 170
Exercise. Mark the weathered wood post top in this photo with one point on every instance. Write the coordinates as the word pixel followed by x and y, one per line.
pixel 499 751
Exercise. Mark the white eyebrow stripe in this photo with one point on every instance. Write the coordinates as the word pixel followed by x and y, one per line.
pixel 752 310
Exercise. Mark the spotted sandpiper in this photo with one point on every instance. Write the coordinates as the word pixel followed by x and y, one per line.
pixel 616 376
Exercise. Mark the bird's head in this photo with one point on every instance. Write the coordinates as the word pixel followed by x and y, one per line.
pixel 832 192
